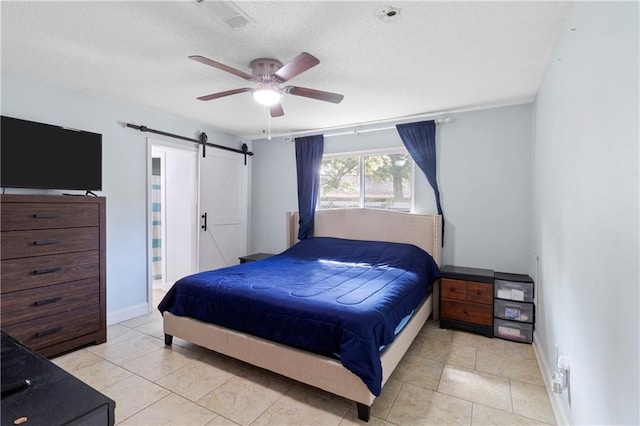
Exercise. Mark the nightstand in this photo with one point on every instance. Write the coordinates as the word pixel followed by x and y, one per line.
pixel 466 299
pixel 254 257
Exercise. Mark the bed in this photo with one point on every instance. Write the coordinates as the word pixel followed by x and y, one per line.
pixel 346 366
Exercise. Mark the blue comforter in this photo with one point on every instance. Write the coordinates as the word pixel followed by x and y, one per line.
pixel 326 295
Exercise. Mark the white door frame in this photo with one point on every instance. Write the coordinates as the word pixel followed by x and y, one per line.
pixel 151 142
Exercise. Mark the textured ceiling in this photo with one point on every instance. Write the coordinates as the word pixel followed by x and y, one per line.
pixel 435 56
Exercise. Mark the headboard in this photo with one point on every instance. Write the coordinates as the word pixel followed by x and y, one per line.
pixel 424 231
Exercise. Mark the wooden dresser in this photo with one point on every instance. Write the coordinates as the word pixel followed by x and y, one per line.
pixel 53 271
pixel 466 299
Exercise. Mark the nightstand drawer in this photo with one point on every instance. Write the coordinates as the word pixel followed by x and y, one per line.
pixel 453 289
pixel 16 216
pixel 26 305
pixel 480 293
pixel 41 242
pixel 467 311
pixel 40 271
pixel 467 290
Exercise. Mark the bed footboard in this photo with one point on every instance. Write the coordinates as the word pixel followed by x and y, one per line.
pixel 315 370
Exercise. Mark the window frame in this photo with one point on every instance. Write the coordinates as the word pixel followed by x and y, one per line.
pixel 371 153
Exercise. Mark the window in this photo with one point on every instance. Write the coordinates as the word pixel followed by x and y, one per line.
pixel 376 180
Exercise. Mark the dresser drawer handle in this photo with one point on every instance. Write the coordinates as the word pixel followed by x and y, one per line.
pixel 47 270
pixel 464 311
pixel 48 331
pixel 46 242
pixel 479 293
pixel 46 215
pixel 453 290
pixel 47 301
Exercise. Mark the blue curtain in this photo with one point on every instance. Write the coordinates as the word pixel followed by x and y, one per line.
pixel 309 151
pixel 420 140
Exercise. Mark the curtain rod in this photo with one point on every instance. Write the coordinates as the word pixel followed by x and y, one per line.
pixel 377 129
pixel 443 117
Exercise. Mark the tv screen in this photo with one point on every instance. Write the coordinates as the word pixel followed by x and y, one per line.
pixel 37 155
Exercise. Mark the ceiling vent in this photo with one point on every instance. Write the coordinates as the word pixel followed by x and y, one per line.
pixel 228 13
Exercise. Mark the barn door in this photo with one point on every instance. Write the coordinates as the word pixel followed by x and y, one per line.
pixel 223 208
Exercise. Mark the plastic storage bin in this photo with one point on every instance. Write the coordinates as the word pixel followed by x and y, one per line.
pixel 514 311
pixel 513 287
pixel 513 330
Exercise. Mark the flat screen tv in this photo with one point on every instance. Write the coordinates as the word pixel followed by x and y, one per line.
pixel 44 156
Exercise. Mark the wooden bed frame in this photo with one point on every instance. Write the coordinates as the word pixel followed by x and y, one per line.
pixel 316 370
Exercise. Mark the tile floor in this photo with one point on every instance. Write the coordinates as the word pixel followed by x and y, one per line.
pixel 446 378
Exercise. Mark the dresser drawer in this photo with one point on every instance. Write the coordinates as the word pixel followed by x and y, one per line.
pixel 453 289
pixel 46 331
pixel 467 311
pixel 26 305
pixel 17 244
pixel 18 216
pixel 32 272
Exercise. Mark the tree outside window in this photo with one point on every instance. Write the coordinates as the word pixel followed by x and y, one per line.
pixel 369 180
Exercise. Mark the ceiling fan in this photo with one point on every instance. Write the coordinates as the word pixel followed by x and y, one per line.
pixel 269 75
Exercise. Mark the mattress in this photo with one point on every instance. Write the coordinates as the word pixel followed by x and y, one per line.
pixel 325 295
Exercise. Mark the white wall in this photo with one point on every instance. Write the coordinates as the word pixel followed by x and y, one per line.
pixel 124 172
pixel 585 213
pixel 484 178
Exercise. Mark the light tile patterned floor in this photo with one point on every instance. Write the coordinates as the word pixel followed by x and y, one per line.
pixel 447 378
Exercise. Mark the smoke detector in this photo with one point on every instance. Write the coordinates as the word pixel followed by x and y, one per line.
pixel 387 13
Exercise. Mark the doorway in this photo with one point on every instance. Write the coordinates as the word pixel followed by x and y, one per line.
pixel 172 213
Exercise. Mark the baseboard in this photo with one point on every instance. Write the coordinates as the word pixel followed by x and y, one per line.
pixel 128 313
pixel 559 411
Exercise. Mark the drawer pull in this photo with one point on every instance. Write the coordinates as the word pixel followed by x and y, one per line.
pixel 47 270
pixel 47 301
pixel 464 311
pixel 48 331
pixel 453 290
pixel 46 242
pixel 46 215
pixel 479 293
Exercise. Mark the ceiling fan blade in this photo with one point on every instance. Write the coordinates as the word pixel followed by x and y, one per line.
pixel 222 67
pixel 276 110
pixel 296 66
pixel 336 98
pixel 222 94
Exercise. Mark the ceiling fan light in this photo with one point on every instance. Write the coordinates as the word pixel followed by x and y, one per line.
pixel 266 97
